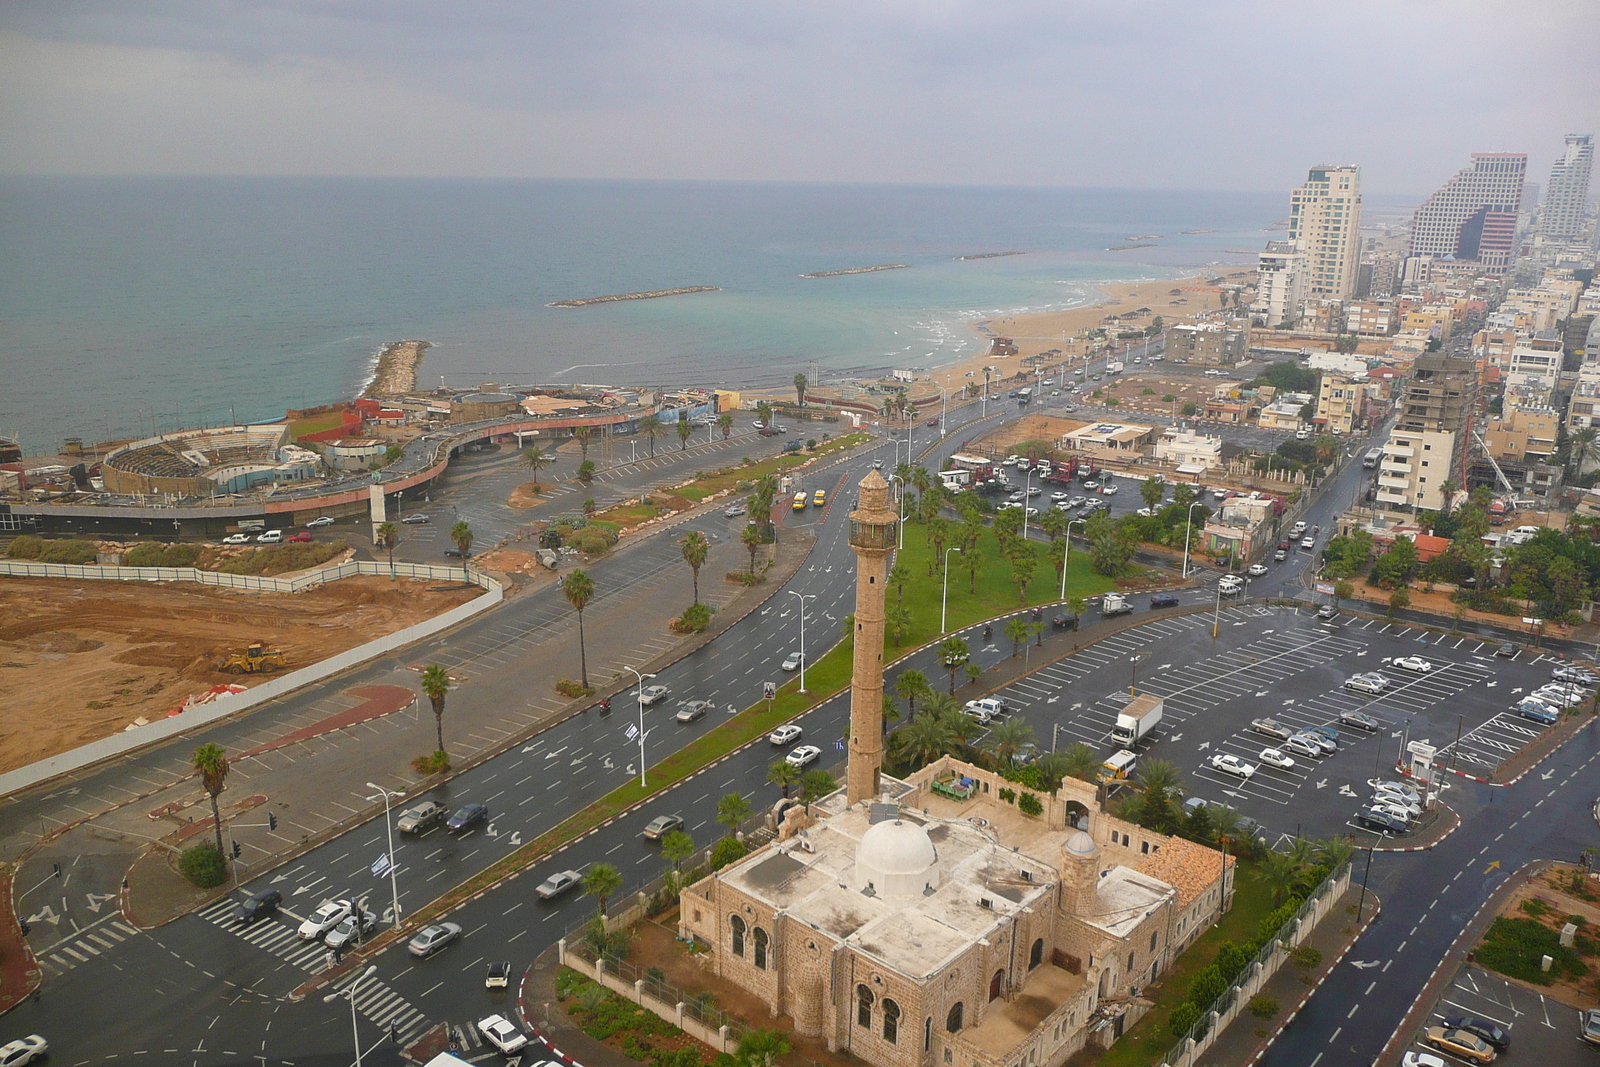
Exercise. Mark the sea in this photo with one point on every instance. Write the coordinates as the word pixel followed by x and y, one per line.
pixel 137 305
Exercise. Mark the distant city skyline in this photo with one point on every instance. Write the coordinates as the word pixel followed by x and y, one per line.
pixel 1156 95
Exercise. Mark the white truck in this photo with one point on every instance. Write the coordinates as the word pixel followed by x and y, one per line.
pixel 1134 722
pixel 1114 604
pixel 1114 367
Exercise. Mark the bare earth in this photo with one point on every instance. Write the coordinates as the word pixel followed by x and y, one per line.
pixel 81 660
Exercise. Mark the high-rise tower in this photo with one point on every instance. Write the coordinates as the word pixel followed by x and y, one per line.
pixel 1566 199
pixel 1325 225
pixel 1480 203
pixel 872 538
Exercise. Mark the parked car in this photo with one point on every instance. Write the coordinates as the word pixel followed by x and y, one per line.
pixel 1257 570
pixel 24 1050
pixel 431 939
pixel 1228 763
pixel 791 662
pixel 787 734
pixel 986 709
pixel 1363 683
pixel 1164 600
pixel 329 913
pixel 557 884
pixel 1560 693
pixel 271 537
pixel 1274 758
pixel 1463 1043
pixel 652 695
pixel 803 756
pixel 1576 675
pixel 1405 789
pixel 259 906
pixel 694 709
pixel 414 520
pixel 1538 713
pixel 1505 650
pixel 420 817
pixel 1381 821
pixel 237 539
pixel 1590 1029
pixel 498 976
pixel 1415 664
pixel 662 825
pixel 1325 745
pixel 1360 720
pixel 1108 489
pixel 1395 808
pixel 1325 732
pixel 351 929
pixel 1302 746
pixel 466 817
pixel 1271 727
pixel 319 522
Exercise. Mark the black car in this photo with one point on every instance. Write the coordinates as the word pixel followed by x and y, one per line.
pixel 1380 820
pixel 469 816
pixel 1065 622
pixel 1360 720
pixel 259 906
pixel 1164 600
pixel 1483 1028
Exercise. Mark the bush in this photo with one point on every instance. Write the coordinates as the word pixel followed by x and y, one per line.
pixel 694 619
pixel 75 552
pixel 1029 804
pixel 1305 956
pixel 1183 1017
pixel 1206 987
pixel 436 763
pixel 727 851
pixel 280 559
pixel 203 865
pixel 1514 947
pixel 1008 795
pixel 179 555
pixel 1263 1006
pixel 586 470
pixel 570 688
pixel 592 540
pixel 26 547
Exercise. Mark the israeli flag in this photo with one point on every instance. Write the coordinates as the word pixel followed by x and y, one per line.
pixel 631 732
pixel 380 864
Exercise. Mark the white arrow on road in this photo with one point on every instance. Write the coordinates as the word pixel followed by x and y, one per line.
pixel 1233 793
pixel 1363 652
pixel 732 710
pixel 1076 706
pixel 605 762
pixel 490 831
pixel 1241 622
pixel 1176 737
pixel 47 914
pixel 303 889
pixel 529 748
pixel 280 878
pixel 1395 733
pixel 1052 700
pixel 1518 689
pixel 1491 685
pixel 631 770
pixel 1547 775
pixel 1163 667
pixel 1286 703
pixel 1263 692
pixel 1202 746
pixel 1364 964
pixel 1346 791
pixel 97 899
pixel 516 839
pixel 557 752
pixel 1322 784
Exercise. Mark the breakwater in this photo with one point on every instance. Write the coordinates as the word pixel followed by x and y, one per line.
pixel 1124 248
pixel 992 255
pixel 653 294
pixel 855 270
pixel 395 373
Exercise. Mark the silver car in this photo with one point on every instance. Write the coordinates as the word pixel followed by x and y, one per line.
pixel 420 817
pixel 355 926
pixel 431 939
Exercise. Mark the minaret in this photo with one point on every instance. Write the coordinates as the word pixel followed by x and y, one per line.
pixel 872 537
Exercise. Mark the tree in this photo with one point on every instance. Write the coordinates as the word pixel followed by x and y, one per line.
pixel 924 739
pixel 752 540
pixel 695 548
pixel 536 459
pixel 761 1048
pixel 725 424
pixel 211 763
pixel 973 560
pixel 1151 490
pixel 1079 761
pixel 1342 590
pixel 783 774
pixel 1346 343
pixel 586 471
pixel 899 575
pixel 461 534
pixel 1007 740
pixel 973 672
pixel 677 847
pixel 685 431
pixel 953 655
pixel 388 536
pixel 1584 448
pixel 1017 631
pixel 579 590
pixel 1183 495
pixel 732 811
pixel 898 620
pixel 800 390
pixel 1399 600
pixel 1189 410
pixel 600 882
pixel 938 531
pixel 436 683
pixel 816 784
pixel 1110 546
pixel 764 412
pixel 912 685
pixel 651 427
pixel 1024 559
pixel 582 435
pixel 1162 783
pixel 1448 489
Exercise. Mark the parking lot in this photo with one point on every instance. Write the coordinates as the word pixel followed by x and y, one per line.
pixel 1282 664
pixel 1541 1031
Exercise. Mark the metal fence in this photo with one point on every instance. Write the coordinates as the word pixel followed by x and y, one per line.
pixel 18 568
pixel 699 1007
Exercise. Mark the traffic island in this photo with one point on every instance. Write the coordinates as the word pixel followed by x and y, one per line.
pixel 19 971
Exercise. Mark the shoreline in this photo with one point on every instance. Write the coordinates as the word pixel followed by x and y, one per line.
pixel 394 371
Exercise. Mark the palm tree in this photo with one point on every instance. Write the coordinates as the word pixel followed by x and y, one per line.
pixel 1225 826
pixel 783 774
pixel 1162 783
pixel 920 480
pixel 898 619
pixel 725 424
pixel 651 427
pixel 1007 740
pixel 752 540
pixel 211 762
pixel 1151 490
pixel 764 412
pixel 436 683
pixel 732 810
pixel 1282 872
pixel 536 459
pixel 1448 489
pixel 760 1048
pixel 601 881
pixel 579 590
pixel 891 713
pixel 1335 852
pixel 910 686
pixel 677 847
pixel 925 738
pixel 800 390
pixel 1017 633
pixel 684 431
pixel 695 548
pixel 582 435
pixel 1584 447
pixel 1183 494
pixel 953 655
pixel 963 727
pixel 816 784
pixel 1079 761
pixel 461 534
pixel 388 537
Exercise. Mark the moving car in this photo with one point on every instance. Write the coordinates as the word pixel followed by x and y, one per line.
pixel 557 884
pixel 803 756
pixel 1274 758
pixel 1299 528
pixel 499 1032
pixel 785 735
pixel 1463 1043
pixel 431 939
pixel 1308 543
pixel 466 817
pixel 329 913
pixel 1108 489
pixel 271 537
pixel 319 522
pixel 1271 727
pixel 662 825
pixel 1280 555
pixel 498 975
pixel 420 817
pixel 1230 584
pixel 1257 570
pixel 695 709
pixel 1360 720
pixel 303 537
pixel 791 662
pixel 30 1049
pixel 1364 683
pixel 800 500
pixel 1164 600
pixel 1416 664
pixel 819 498
pixel 414 520
pixel 652 695
pixel 259 906
pixel 1228 763
pixel 351 929
pixel 237 539
pixel 1327 612
pixel 733 511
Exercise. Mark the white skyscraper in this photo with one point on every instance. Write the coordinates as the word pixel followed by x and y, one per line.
pixel 1476 208
pixel 1325 225
pixel 1568 192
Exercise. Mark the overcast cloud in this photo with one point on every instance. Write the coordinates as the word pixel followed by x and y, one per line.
pixel 1129 93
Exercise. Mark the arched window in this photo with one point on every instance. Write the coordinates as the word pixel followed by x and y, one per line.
pixel 1036 957
pixel 864 1006
pixel 738 935
pixel 952 1022
pixel 761 948
pixel 996 983
pixel 927 1033
pixel 891 1021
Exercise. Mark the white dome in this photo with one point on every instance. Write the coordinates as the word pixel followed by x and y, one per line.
pixel 1080 846
pixel 897 858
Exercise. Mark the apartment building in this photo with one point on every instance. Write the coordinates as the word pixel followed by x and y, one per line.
pixel 1415 464
pixel 1280 283
pixel 1340 400
pixel 1325 224
pixel 1380 275
pixel 1369 318
pixel 1440 398
pixel 1477 207
pixel 1567 197
pixel 1494 346
pixel 1283 413
pixel 1536 361
pixel 1583 409
pixel 1208 343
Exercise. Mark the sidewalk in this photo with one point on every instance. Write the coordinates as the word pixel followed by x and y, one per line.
pixel 542 1011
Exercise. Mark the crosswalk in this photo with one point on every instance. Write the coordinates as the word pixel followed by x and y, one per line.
pixel 374 999
pixel 96 941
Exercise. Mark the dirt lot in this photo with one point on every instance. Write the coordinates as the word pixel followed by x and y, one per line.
pixel 1129 389
pixel 81 660
pixel 1030 427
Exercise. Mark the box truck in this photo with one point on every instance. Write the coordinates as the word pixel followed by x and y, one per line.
pixel 1134 722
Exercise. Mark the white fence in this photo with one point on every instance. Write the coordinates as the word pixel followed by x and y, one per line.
pixel 119 744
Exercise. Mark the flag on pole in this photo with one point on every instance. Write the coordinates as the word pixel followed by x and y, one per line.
pixel 380 864
pixel 631 732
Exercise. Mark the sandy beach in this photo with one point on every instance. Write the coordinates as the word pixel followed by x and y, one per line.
pixel 396 372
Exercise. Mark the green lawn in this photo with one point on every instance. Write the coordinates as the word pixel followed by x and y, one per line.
pixel 1149 1040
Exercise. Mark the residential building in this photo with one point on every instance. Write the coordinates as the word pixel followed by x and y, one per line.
pixel 1435 320
pixel 1583 407
pixel 1283 413
pixel 1339 403
pixel 1566 199
pixel 1415 464
pixel 1523 434
pixel 1478 206
pixel 1191 451
pixel 1242 528
pixel 1369 318
pixel 1380 275
pixel 1441 398
pixel 1325 224
pixel 1210 343
pixel 1234 406
pixel 1521 447
pixel 1322 315
pixel 1536 361
pixel 1280 283
pixel 1494 346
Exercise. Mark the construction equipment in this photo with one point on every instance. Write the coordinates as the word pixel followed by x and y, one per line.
pixel 254 660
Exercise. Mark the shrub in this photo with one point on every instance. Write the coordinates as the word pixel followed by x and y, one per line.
pixel 1206 987
pixel 1305 956
pixel 437 762
pixel 1029 804
pixel 26 547
pixel 1263 1006
pixel 280 559
pixel 726 851
pixel 592 540
pixel 1183 1017
pixel 1008 795
pixel 567 687
pixel 1168 398
pixel 694 619
pixel 1231 959
pixel 1514 947
pixel 179 555
pixel 203 865
pixel 76 552
pixel 586 470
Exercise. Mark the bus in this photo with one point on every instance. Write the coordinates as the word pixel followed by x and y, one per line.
pixel 1024 395
pixel 1370 460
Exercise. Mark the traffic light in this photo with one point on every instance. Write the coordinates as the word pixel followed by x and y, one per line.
pixel 236 850
pixel 272 821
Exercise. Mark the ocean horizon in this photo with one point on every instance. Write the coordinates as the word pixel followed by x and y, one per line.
pixel 133 305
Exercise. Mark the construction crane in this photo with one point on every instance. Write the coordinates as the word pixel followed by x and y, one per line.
pixel 1510 490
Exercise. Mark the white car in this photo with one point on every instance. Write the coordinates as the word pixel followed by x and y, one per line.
pixel 651 695
pixel 237 539
pixel 1397 787
pixel 557 884
pixel 1384 798
pixel 1230 584
pixel 792 662
pixel 319 522
pixel 1274 758
pixel 1415 664
pixel 1299 528
pixel 1228 763
pixel 271 537
pixel 803 756
pixel 1392 808
pixel 1560 695
pixel 30 1049
pixel 1059 498
pixel 1108 489
pixel 1422 1059
pixel 329 913
pixel 499 1032
pixel 1308 543
pixel 1257 570
pixel 785 735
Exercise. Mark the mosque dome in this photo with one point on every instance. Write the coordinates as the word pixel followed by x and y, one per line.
pixel 897 858
pixel 1080 846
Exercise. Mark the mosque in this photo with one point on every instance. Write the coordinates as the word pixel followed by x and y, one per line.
pixel 931 921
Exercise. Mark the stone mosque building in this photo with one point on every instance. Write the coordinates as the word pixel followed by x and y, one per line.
pixel 930 921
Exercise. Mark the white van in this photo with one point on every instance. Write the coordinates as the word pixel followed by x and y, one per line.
pixel 1230 584
pixel 271 537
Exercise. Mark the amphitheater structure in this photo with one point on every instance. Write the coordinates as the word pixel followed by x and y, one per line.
pixel 211 462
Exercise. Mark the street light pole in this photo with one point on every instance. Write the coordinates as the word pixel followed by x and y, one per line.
pixel 1188 530
pixel 388 828
pixel 349 993
pixel 1216 613
pixel 639 693
pixel 1027 483
pixel 900 539
pixel 803 598
pixel 1133 685
pixel 944 597
pixel 1066 553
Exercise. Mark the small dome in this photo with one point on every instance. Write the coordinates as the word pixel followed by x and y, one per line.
pixel 1080 845
pixel 897 858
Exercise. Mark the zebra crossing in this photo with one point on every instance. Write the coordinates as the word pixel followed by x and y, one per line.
pixel 94 941
pixel 374 999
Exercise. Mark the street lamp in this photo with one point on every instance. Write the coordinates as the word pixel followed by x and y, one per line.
pixel 900 538
pixel 1187 530
pixel 1066 551
pixel 1216 613
pixel 1027 483
pixel 349 993
pixel 388 828
pixel 1133 684
pixel 640 694
pixel 944 598
pixel 944 399
pixel 803 598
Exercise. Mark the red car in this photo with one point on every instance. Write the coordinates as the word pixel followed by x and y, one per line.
pixel 303 535
pixel 934 421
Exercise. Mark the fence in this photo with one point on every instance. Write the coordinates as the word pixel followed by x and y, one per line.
pixel 118 744
pixel 694 1014
pixel 1272 956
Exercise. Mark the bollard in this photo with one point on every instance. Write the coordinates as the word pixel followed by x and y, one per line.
pixel 1569 932
pixel 638 991
pixel 1545 962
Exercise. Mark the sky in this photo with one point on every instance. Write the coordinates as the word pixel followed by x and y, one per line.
pixel 1159 94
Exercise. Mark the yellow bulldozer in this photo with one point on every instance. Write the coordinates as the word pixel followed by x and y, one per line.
pixel 254 660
